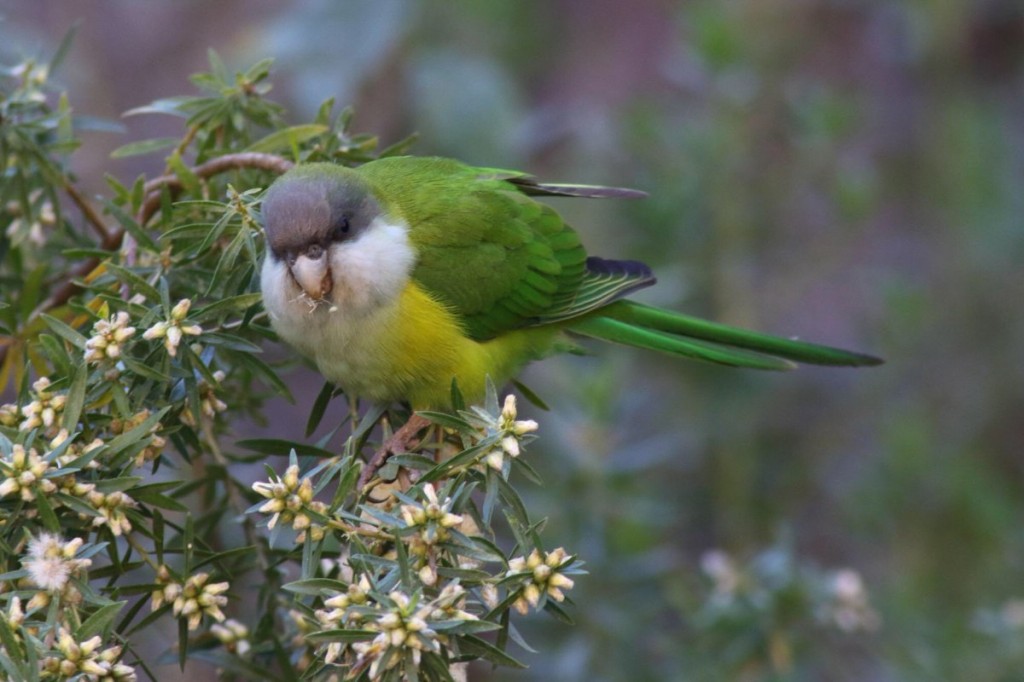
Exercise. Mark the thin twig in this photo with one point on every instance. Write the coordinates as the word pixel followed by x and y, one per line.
pixel 88 211
pixel 141 551
pixel 190 135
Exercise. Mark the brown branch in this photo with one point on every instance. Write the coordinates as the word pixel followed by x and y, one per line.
pixel 88 211
pixel 221 164
pixel 112 239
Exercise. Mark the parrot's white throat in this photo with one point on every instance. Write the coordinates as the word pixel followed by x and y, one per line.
pixel 340 332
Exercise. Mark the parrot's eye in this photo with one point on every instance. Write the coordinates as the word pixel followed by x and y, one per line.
pixel 341 229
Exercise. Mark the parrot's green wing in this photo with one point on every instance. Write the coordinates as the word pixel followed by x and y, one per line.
pixel 498 259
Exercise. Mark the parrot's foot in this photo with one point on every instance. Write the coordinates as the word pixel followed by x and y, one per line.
pixel 402 440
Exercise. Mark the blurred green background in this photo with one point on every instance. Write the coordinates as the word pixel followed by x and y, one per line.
pixel 847 171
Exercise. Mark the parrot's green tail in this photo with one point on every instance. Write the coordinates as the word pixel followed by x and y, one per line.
pixel 635 324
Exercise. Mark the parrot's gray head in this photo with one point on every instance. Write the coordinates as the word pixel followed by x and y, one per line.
pixel 308 214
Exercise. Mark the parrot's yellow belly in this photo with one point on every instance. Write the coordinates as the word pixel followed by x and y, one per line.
pixel 411 349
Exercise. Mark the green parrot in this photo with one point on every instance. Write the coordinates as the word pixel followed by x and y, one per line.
pixel 406 273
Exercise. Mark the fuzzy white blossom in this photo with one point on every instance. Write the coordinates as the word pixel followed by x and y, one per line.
pixel 51 561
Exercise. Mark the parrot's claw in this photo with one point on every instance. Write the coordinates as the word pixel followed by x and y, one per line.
pixel 402 440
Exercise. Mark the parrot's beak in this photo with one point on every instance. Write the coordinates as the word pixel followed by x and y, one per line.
pixel 312 272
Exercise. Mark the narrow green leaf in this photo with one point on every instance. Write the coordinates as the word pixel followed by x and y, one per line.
pixel 64 331
pixel 471 644
pixel 99 622
pixel 144 370
pixel 341 636
pixel 143 147
pixel 119 443
pixel 132 226
pixel 187 536
pixel 288 138
pixel 58 355
pixel 63 48
pixel 267 375
pixel 188 178
pixel 136 284
pixel 530 396
pixel 182 642
pixel 277 446
pixel 458 401
pixel 323 114
pixel 402 556
pixel 316 586
pixel 47 514
pixel 241 668
pixel 76 398
pixel 556 610
pixel 401 147
pixel 157 500
pixel 457 626
pixel 446 420
pixel 323 399
pixel 231 303
pixel 231 341
pixel 175 106
pixel 490 494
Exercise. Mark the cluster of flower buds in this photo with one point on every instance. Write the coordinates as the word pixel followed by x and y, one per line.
pixel 24 472
pixel 156 442
pixel 29 227
pixel 45 410
pixel 511 432
pixel 402 626
pixel 431 520
pixel 541 576
pixel 209 404
pixel 289 499
pixel 108 336
pixel 111 508
pixel 172 329
pixel 86 659
pixel 191 600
